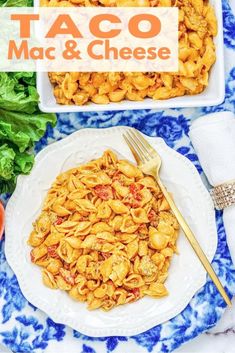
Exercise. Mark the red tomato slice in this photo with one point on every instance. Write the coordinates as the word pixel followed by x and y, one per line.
pixel 104 192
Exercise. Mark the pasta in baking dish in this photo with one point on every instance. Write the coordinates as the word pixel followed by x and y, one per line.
pixel 197 28
pixel 105 235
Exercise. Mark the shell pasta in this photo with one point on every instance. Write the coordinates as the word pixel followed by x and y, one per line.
pixel 105 235
pixel 196 31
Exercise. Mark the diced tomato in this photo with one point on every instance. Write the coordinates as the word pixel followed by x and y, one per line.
pixel 132 203
pixel 105 255
pixel 67 276
pixel 135 205
pixel 136 292
pixel 135 189
pixel 105 192
pixel 32 256
pixel 59 220
pixel 116 175
pixel 52 251
pixel 66 266
pixel 143 228
pixel 152 215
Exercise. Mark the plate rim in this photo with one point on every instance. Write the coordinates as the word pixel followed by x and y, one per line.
pixel 57 316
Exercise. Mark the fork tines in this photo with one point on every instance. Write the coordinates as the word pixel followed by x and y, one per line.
pixel 139 145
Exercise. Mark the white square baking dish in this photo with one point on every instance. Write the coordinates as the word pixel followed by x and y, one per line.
pixel 212 95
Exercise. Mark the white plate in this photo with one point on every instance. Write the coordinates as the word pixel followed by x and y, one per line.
pixel 214 94
pixel 186 274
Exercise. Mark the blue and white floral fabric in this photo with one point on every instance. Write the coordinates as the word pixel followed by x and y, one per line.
pixel 24 328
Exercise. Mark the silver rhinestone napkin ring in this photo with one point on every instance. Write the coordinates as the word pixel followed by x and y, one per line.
pixel 223 195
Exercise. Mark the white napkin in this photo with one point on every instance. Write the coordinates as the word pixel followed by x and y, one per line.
pixel 213 137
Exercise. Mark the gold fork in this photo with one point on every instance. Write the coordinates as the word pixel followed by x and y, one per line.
pixel 149 162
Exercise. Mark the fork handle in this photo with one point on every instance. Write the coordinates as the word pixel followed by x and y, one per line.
pixel 194 243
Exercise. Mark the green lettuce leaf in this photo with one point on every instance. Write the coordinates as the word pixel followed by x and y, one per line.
pixel 21 122
pixel 23 163
pixel 24 129
pixel 16 3
pixel 7 186
pixel 28 78
pixel 7 156
pixel 12 163
pixel 15 97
